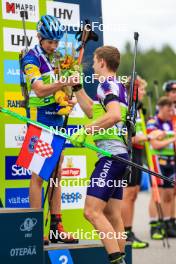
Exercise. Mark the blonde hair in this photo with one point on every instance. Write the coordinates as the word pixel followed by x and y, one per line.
pixel 141 81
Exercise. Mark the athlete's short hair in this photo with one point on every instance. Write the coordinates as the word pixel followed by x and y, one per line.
pixel 110 55
pixel 164 100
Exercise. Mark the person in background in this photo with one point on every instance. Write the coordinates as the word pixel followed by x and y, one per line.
pixel 163 150
pixel 133 188
pixel 170 90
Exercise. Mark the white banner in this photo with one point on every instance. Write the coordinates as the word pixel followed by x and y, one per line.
pixel 68 14
pixel 14 135
pixel 73 197
pixel 11 9
pixel 74 167
pixel 14 39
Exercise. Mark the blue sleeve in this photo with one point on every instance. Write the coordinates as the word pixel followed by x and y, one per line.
pixel 30 59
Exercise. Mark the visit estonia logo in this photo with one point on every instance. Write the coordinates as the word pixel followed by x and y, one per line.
pixel 28 224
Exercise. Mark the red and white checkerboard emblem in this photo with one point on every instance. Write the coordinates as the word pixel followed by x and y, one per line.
pixel 43 149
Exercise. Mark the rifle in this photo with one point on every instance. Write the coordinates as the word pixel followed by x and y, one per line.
pixel 132 104
pixel 23 84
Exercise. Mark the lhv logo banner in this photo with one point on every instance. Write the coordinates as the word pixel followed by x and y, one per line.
pixel 68 14
pixel 14 39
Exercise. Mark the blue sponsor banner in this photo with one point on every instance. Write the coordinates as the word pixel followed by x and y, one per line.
pixel 15 172
pixel 11 71
pixel 18 197
pixel 70 130
pixel 60 256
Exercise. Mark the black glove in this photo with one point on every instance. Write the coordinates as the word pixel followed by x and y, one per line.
pixel 77 87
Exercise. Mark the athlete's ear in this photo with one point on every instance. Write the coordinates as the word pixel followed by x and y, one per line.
pixel 102 63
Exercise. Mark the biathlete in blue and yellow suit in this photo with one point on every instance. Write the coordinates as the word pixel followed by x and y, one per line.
pixel 38 67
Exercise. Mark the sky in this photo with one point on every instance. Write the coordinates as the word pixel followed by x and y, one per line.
pixel 155 20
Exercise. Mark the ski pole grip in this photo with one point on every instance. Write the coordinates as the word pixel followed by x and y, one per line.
pixel 24 14
pixel 136 35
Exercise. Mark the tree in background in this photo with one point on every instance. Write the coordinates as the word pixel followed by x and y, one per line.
pixel 151 65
